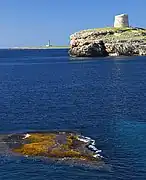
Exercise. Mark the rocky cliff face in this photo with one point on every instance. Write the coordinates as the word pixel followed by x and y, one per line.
pixel 116 42
pixel 88 49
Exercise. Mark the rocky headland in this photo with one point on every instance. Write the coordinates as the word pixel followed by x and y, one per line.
pixel 119 40
pixel 109 41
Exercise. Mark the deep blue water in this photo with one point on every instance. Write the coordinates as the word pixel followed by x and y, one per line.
pixel 104 98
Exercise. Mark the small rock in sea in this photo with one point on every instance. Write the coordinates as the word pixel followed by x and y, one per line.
pixel 56 145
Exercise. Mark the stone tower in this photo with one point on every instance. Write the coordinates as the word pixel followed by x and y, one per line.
pixel 121 21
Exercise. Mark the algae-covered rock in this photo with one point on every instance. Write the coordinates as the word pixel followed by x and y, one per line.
pixel 54 145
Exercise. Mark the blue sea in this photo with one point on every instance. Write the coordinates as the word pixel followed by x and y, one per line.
pixel 102 98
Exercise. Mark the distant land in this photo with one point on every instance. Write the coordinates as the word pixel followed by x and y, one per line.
pixel 41 47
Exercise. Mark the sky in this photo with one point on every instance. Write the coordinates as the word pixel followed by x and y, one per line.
pixel 35 22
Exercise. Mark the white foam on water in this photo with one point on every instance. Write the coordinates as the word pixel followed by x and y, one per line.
pixel 98 151
pixel 93 142
pixel 26 136
pixel 91 145
pixel 84 139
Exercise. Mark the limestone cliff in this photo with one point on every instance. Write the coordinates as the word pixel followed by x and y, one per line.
pixel 117 41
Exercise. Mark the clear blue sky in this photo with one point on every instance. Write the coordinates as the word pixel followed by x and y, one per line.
pixel 34 22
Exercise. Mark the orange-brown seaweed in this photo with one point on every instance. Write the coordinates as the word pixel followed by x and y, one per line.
pixel 56 145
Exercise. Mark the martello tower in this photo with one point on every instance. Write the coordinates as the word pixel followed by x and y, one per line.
pixel 121 21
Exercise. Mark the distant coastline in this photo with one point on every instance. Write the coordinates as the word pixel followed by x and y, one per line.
pixel 39 47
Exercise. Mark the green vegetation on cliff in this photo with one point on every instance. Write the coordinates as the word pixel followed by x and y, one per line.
pixel 114 34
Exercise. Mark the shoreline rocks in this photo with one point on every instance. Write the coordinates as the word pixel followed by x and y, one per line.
pixel 89 49
pixel 99 42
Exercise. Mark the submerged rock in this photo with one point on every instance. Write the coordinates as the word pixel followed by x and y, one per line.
pixel 54 145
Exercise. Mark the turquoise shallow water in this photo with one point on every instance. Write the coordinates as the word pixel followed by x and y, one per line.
pixel 103 98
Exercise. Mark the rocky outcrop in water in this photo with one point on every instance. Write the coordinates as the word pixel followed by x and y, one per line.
pixel 126 41
pixel 58 145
